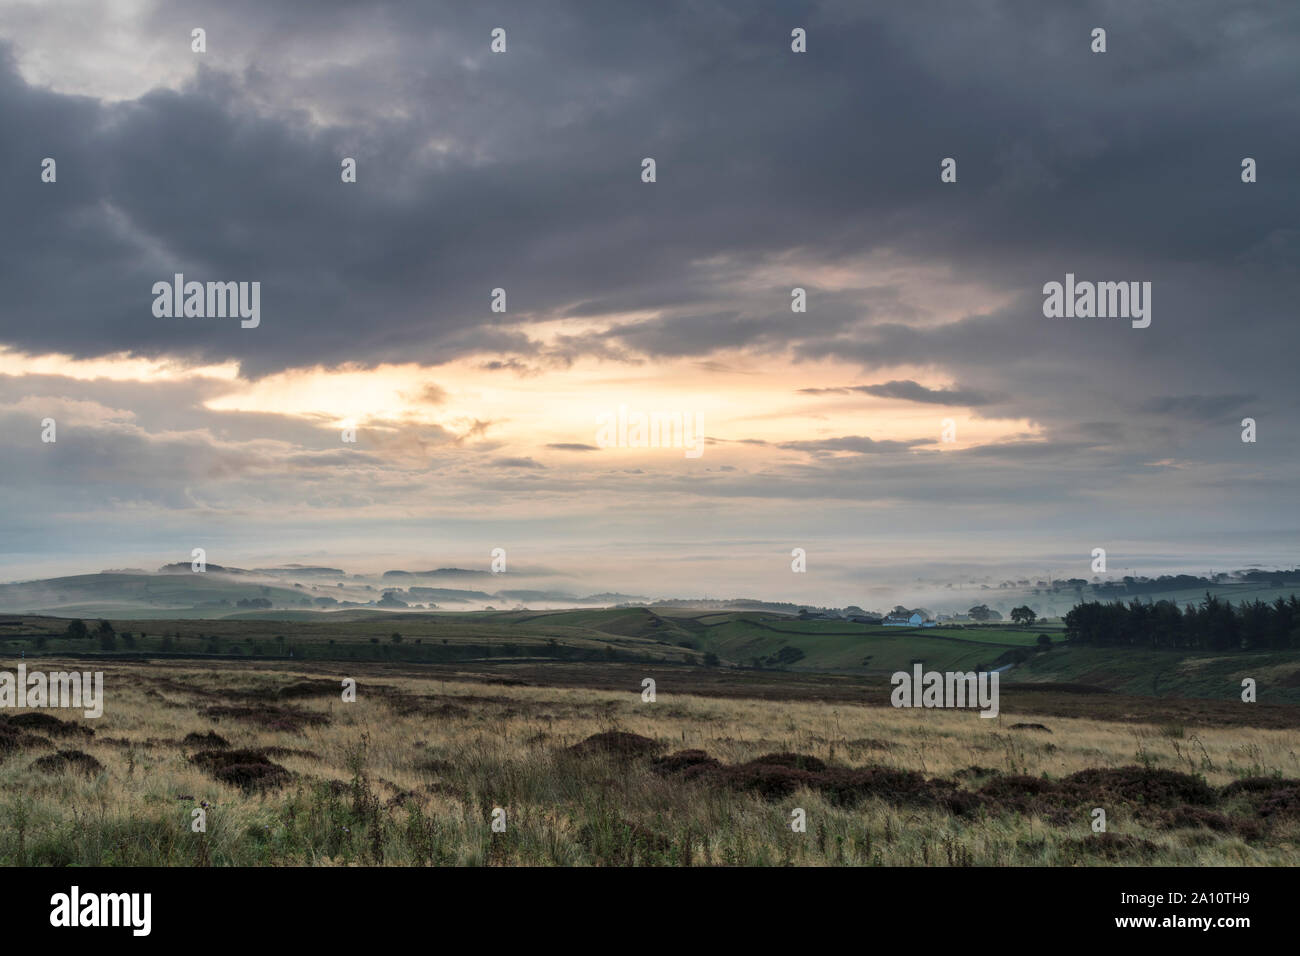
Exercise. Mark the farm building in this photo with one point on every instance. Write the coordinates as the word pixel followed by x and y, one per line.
pixel 912 620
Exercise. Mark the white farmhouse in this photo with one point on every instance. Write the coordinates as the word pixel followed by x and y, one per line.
pixel 911 620
pixel 897 620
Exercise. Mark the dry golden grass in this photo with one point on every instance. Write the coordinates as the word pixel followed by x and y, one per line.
pixel 411 771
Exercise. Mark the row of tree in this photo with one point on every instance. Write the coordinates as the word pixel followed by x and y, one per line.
pixel 1019 615
pixel 1212 625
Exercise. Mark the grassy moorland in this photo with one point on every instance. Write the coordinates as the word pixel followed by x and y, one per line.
pixel 708 774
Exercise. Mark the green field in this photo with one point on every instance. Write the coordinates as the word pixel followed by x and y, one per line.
pixel 749 639
pixel 1170 673
pixel 727 640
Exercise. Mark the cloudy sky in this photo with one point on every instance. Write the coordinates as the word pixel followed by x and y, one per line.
pixel 522 171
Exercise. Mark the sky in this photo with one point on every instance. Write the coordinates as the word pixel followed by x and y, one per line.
pixel 922 418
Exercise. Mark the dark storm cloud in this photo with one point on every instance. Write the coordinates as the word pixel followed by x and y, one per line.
pixel 1066 158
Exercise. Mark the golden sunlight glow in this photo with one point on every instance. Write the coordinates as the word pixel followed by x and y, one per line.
pixel 563 406
pixel 734 398
pixel 118 368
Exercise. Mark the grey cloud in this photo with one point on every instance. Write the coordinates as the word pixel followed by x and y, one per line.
pixel 853 443
pixel 1198 408
pixel 545 199
pixel 912 392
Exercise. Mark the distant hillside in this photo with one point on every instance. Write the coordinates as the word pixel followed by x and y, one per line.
pixel 439 573
pixel 213 592
pixel 177 591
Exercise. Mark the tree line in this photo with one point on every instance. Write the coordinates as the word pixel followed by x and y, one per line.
pixel 1213 624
